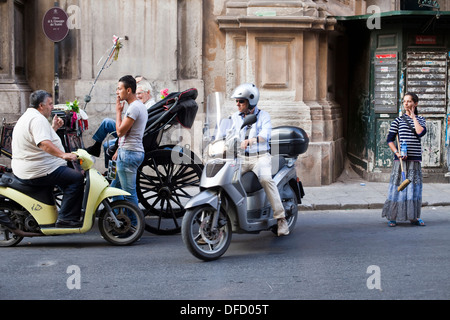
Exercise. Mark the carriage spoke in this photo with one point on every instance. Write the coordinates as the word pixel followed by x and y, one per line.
pixel 163 188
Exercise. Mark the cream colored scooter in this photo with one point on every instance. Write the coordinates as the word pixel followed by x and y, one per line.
pixel 31 212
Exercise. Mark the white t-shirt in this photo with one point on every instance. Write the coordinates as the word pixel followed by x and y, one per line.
pixel 132 141
pixel 28 160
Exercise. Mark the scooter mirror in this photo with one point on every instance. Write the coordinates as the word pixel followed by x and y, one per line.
pixel 249 120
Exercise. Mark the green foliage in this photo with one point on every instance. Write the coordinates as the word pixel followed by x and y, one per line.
pixel 73 106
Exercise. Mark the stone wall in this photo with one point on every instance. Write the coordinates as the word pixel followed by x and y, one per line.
pixel 287 48
pixel 161 41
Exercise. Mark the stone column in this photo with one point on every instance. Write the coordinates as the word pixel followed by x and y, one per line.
pixel 14 89
pixel 284 49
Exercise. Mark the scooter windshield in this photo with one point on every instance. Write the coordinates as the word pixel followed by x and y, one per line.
pixel 218 121
pixel 218 125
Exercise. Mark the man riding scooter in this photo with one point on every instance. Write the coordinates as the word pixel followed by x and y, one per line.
pixel 39 158
pixel 256 146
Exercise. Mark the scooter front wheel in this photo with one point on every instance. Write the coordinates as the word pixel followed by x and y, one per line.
pixel 121 222
pixel 202 239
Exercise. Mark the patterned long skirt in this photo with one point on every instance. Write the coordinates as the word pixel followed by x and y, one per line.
pixel 406 204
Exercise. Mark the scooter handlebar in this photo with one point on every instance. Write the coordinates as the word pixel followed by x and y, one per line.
pixel 85 160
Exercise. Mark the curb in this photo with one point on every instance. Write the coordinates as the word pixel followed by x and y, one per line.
pixel 353 206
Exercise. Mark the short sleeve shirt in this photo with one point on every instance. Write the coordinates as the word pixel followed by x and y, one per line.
pixel 28 160
pixel 132 141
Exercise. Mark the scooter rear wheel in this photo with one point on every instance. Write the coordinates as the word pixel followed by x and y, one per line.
pixel 203 241
pixel 7 237
pixel 131 220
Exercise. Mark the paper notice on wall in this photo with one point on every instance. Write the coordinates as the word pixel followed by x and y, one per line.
pixel 447 131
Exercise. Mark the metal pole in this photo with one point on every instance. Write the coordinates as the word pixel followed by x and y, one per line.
pixel 56 67
pixel 56 80
pixel 87 98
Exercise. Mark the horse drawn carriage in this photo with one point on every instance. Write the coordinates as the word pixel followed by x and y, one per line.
pixel 170 174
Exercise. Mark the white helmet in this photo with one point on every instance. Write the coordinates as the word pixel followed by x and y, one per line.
pixel 247 91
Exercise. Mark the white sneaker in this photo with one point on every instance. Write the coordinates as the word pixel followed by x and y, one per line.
pixel 447 174
pixel 283 228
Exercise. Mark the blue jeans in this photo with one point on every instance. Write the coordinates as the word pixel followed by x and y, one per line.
pixel 72 184
pixel 108 126
pixel 127 164
pixel 106 145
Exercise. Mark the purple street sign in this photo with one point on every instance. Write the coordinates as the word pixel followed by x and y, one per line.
pixel 55 24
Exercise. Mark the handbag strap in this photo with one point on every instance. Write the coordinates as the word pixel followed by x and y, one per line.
pixel 410 127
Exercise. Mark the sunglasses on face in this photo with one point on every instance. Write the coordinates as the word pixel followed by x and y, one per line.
pixel 240 101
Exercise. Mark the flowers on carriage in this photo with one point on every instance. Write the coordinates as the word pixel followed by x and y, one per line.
pixel 117 46
pixel 164 93
pixel 112 54
pixel 79 118
pixel 73 106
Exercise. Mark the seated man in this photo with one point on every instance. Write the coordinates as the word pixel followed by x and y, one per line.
pixel 257 148
pixel 39 159
pixel 108 126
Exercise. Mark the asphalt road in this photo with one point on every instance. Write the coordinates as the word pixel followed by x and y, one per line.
pixel 331 255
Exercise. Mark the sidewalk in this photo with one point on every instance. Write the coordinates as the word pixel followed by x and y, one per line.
pixel 352 192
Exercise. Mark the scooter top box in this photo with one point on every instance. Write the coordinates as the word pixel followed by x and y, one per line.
pixel 289 141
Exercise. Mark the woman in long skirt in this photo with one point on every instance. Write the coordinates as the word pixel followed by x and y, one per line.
pixel 406 204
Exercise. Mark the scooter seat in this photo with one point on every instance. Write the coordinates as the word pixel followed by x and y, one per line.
pixel 250 181
pixel 42 194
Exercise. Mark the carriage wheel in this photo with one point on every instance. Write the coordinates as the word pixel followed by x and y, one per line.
pixel 165 181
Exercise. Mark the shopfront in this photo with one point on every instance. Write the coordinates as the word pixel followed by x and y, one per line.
pixel 409 53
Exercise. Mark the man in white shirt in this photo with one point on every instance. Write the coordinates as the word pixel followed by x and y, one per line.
pixel 144 93
pixel 257 148
pixel 39 158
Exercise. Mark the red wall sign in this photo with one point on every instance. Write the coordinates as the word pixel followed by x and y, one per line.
pixel 386 56
pixel 54 24
pixel 425 39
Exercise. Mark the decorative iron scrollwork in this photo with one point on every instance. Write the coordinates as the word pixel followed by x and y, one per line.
pixel 430 4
